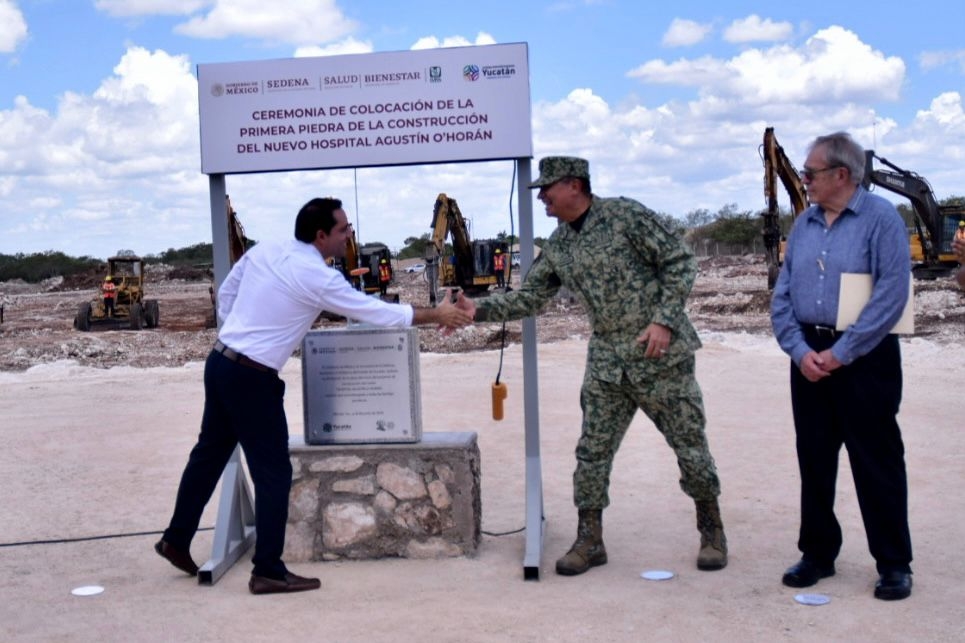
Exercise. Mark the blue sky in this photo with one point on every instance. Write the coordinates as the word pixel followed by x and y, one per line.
pixel 99 124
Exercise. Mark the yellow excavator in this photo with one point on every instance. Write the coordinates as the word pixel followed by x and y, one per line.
pixel 935 225
pixel 465 263
pixel 360 265
pixel 778 166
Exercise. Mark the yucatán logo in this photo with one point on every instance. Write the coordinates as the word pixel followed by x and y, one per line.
pixel 471 72
pixel 499 71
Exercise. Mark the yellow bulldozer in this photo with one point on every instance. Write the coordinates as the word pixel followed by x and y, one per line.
pixel 131 309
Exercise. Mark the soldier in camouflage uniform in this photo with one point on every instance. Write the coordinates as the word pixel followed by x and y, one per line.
pixel 633 276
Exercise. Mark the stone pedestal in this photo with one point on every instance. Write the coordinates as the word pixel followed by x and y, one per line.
pixel 413 500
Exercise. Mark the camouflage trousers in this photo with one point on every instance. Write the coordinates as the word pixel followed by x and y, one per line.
pixel 673 401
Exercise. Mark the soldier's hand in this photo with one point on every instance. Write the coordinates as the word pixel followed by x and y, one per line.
pixel 656 337
pixel 466 304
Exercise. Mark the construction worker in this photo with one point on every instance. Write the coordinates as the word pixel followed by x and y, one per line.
pixel 385 276
pixel 958 247
pixel 109 290
pixel 499 267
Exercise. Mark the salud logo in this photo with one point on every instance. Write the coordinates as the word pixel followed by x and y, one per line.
pixel 471 72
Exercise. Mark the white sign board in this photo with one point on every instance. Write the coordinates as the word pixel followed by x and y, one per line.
pixel 398 108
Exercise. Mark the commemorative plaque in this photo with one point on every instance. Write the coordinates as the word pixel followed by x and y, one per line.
pixel 361 385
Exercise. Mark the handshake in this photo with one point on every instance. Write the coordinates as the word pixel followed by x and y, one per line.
pixel 454 311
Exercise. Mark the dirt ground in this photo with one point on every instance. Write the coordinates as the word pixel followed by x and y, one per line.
pixel 97 427
pixel 730 294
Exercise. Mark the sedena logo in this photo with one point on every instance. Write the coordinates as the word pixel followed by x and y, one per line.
pixel 471 72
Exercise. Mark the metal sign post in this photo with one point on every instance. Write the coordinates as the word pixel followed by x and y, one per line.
pixel 535 520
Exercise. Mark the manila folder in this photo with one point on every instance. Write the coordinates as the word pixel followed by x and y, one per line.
pixel 855 293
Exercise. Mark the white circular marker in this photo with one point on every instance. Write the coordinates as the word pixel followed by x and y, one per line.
pixel 656 574
pixel 87 590
pixel 812 599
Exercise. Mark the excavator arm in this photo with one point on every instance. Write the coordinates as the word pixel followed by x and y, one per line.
pixel 237 241
pixel 934 224
pixel 778 166
pixel 470 266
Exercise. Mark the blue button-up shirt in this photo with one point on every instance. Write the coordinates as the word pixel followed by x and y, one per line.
pixel 867 237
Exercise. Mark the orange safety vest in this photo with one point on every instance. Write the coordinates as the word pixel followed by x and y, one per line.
pixel 499 261
pixel 109 290
pixel 384 273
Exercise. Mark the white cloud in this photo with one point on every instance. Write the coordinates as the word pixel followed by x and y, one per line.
pixel 945 111
pixel 832 65
pixel 683 33
pixel 299 22
pixel 754 29
pixel 110 156
pixel 347 46
pixel 13 27
pixel 933 59
pixel 432 42
pixel 126 8
pixel 125 157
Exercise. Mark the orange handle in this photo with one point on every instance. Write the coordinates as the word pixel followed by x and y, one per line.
pixel 499 394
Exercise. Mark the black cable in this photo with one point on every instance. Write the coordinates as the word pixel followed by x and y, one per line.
pixel 59 541
pixel 512 234
pixel 503 533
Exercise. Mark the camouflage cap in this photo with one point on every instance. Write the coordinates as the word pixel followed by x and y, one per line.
pixel 554 168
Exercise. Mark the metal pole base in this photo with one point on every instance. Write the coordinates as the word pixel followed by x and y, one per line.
pixel 234 532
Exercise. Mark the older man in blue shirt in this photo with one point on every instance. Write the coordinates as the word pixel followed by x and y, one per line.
pixel 846 385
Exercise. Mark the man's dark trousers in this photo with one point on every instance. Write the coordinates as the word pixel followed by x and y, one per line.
pixel 855 406
pixel 242 405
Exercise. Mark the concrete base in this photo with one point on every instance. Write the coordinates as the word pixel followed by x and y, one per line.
pixel 414 500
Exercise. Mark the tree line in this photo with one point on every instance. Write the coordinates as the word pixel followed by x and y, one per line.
pixel 726 231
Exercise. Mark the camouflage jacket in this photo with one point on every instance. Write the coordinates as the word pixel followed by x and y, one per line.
pixel 628 270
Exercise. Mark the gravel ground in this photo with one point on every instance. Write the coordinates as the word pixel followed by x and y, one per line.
pixel 730 294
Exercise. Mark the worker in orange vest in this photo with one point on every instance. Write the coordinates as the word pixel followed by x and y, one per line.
pixel 385 276
pixel 499 267
pixel 109 290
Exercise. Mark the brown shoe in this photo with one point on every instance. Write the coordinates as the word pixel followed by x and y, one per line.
pixel 292 583
pixel 177 557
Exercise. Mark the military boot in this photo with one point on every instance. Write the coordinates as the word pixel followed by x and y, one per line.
pixel 588 550
pixel 713 543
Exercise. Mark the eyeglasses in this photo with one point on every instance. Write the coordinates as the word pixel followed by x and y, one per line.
pixel 810 174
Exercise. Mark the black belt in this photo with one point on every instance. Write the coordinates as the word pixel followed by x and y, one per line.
pixel 822 331
pixel 237 357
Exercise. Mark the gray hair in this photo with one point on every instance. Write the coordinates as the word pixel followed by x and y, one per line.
pixel 840 150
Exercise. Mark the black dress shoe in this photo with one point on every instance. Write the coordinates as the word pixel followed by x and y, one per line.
pixel 292 583
pixel 805 573
pixel 893 586
pixel 177 557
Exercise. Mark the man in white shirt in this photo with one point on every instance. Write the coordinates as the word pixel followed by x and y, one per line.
pixel 267 303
